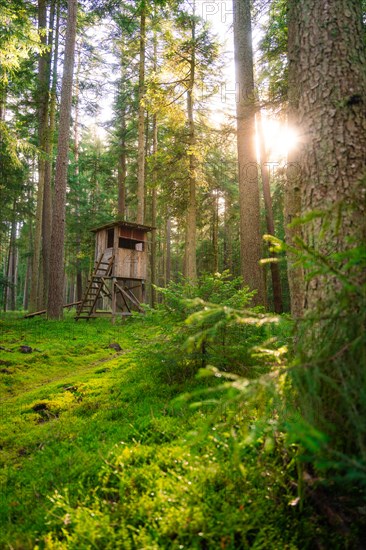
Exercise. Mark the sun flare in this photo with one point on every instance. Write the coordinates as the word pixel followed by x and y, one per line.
pixel 279 138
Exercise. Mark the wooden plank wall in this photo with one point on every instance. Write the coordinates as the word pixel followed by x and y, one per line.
pixel 128 264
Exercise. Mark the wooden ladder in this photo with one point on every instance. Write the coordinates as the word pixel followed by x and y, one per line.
pixel 94 288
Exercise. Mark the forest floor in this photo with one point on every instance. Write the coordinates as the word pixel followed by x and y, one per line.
pixel 97 452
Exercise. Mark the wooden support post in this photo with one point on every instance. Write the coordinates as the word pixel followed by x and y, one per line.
pixel 130 296
pixel 143 292
pixel 114 299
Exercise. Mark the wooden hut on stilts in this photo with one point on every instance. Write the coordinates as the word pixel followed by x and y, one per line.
pixel 117 283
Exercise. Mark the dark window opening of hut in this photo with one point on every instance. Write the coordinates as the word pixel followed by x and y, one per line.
pixel 110 238
pixel 131 244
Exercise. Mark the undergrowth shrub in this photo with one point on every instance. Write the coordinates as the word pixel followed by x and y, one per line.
pixel 203 325
pixel 329 373
pixel 220 288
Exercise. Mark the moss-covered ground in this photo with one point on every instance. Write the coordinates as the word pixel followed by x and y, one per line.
pixel 96 454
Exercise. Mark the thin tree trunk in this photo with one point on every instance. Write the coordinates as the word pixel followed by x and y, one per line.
pixel 228 238
pixel 10 294
pixel 250 234
pixel 168 254
pixel 57 273
pixel 215 233
pixel 154 190
pixel 153 212
pixel 27 277
pixel 122 163
pixel 36 294
pixel 79 279
pixel 15 276
pixel 47 193
pixel 122 169
pixel 141 122
pixel 2 101
pixel 190 261
pixel 275 272
pixel 292 197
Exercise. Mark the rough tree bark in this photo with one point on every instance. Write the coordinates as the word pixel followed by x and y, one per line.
pixel 331 79
pixel 57 272
pixel 250 235
pixel 331 119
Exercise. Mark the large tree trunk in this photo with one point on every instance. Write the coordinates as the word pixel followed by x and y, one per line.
pixel 250 235
pixel 141 122
pixel 190 261
pixel 57 272
pixel 332 119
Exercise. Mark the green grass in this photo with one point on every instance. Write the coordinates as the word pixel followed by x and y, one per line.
pixel 95 454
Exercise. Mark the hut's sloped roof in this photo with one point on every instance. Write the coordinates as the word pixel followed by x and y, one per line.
pixel 130 225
